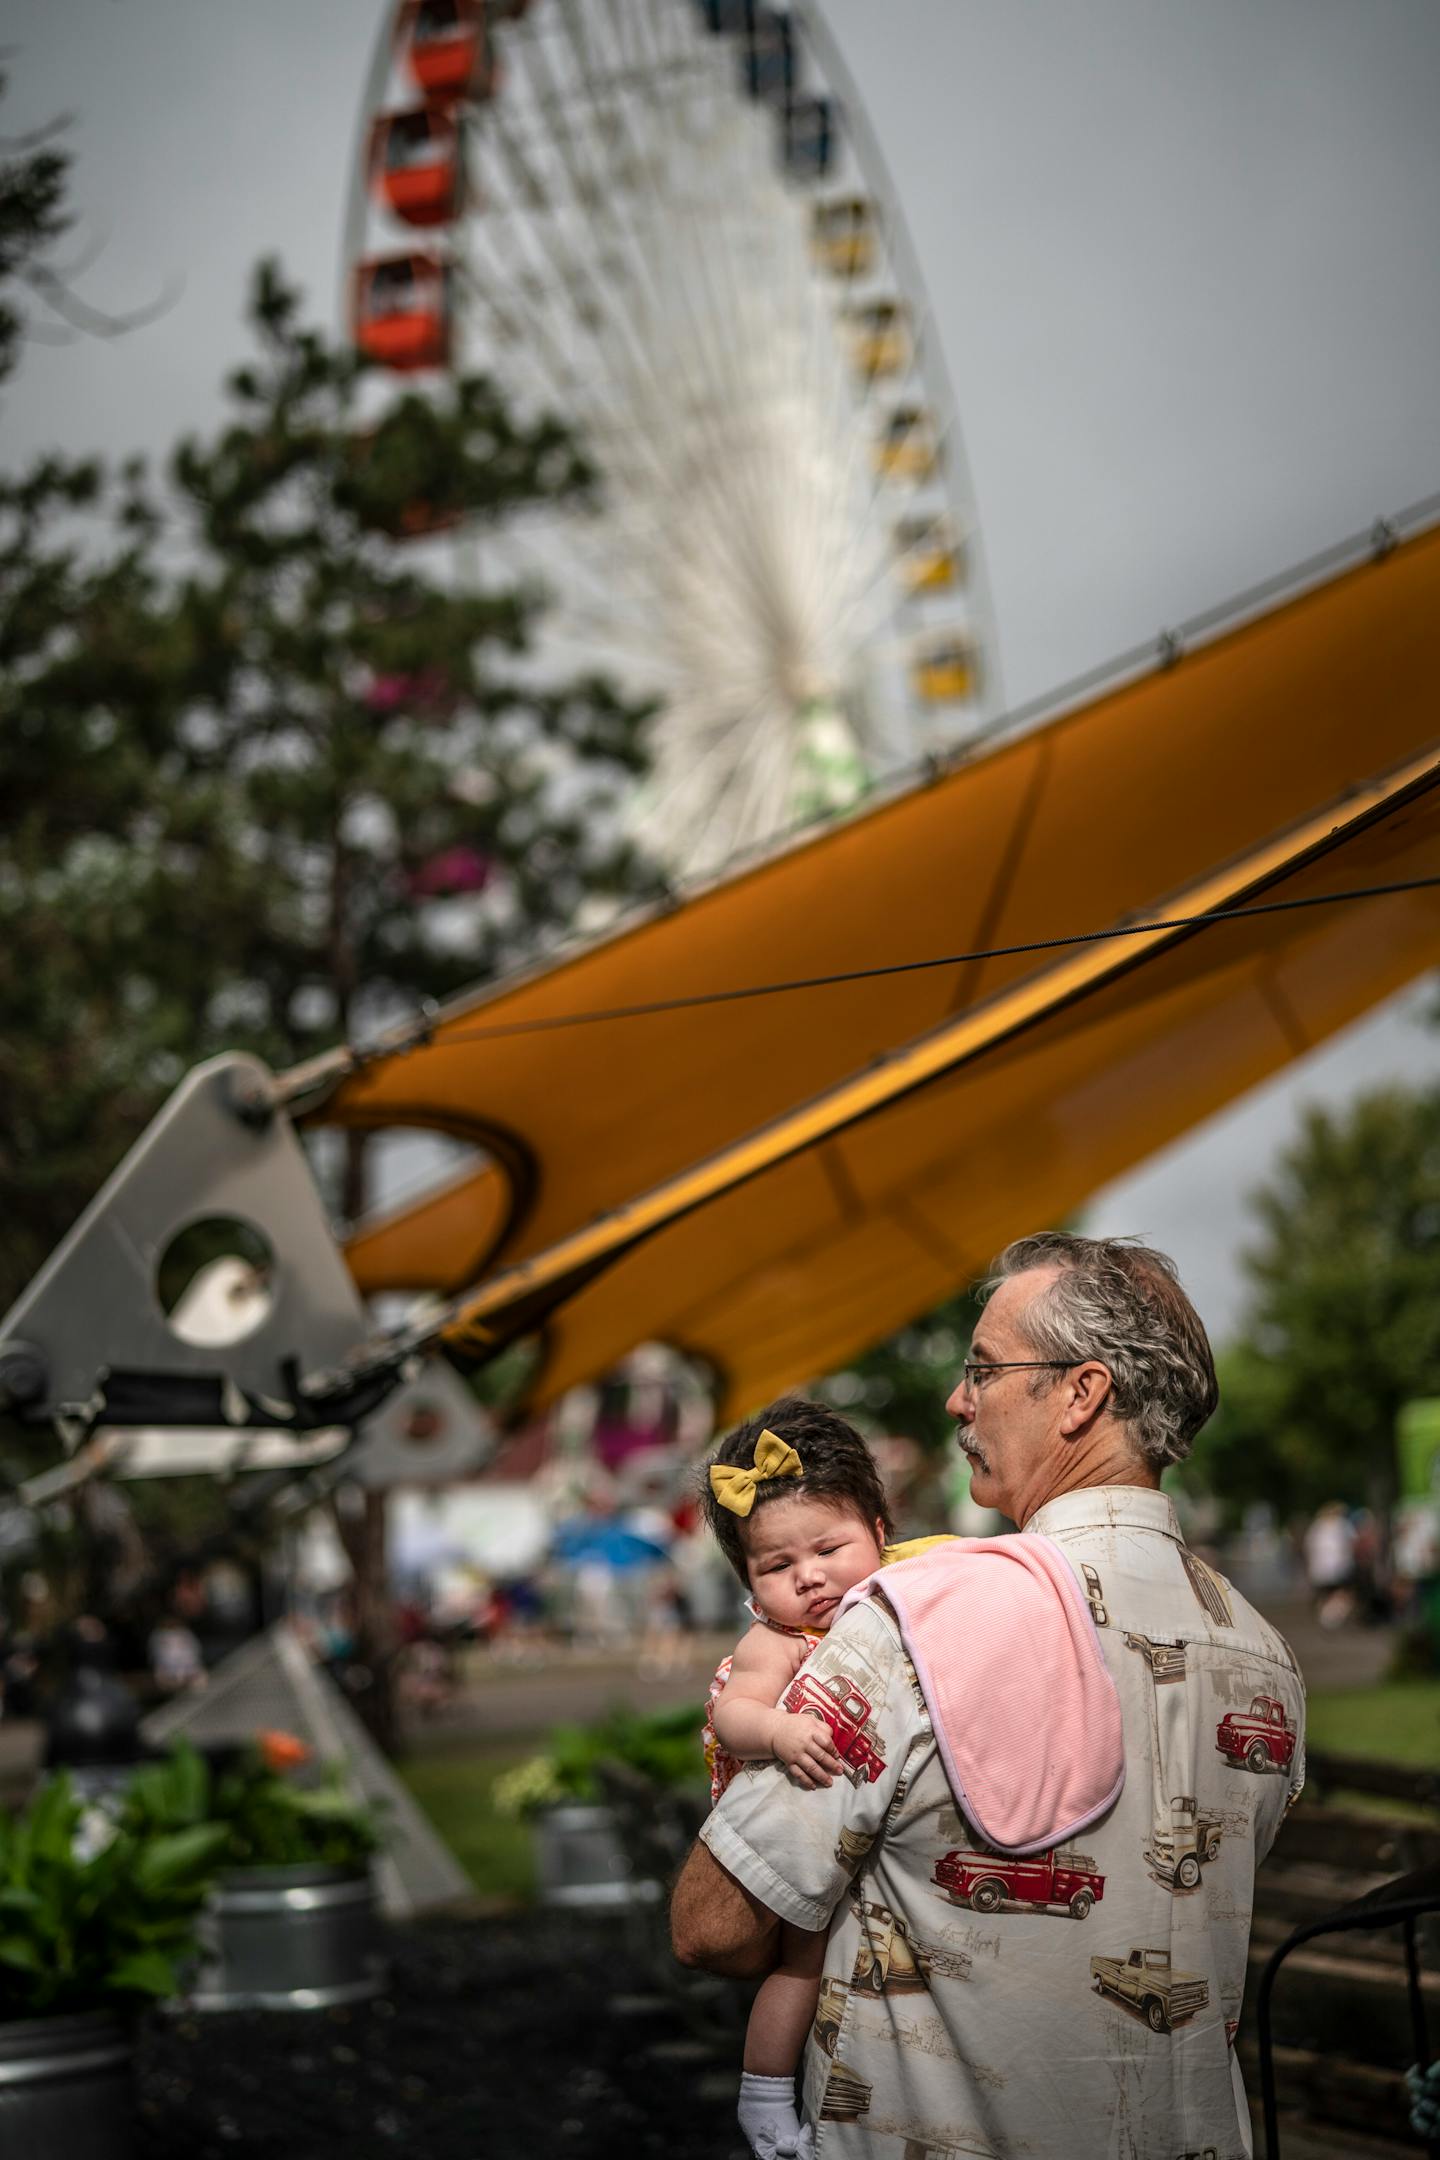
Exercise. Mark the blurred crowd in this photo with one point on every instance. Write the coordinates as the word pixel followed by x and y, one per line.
pixel 584 1538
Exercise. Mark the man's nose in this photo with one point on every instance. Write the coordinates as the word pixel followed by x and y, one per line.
pixel 959 1402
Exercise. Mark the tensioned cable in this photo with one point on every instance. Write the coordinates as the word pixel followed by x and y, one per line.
pixel 902 967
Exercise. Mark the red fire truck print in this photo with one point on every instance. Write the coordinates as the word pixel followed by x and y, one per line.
pixel 1261 1738
pixel 840 1703
pixel 1054 1882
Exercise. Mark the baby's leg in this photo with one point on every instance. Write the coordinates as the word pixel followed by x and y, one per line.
pixel 784 2009
pixel 780 2021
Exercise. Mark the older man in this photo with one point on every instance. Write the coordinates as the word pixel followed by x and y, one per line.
pixel 1074 2003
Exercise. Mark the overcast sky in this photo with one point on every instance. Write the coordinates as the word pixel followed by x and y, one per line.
pixel 1183 261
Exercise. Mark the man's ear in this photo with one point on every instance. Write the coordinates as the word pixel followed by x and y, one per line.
pixel 1091 1387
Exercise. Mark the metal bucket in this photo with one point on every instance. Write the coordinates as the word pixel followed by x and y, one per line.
pixel 579 1860
pixel 67 2086
pixel 289 1938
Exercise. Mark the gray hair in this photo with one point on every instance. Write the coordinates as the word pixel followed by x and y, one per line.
pixel 1120 1302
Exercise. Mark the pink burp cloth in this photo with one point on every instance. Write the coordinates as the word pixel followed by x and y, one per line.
pixel 1022 1703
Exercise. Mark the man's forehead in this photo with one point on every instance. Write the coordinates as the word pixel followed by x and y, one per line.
pixel 1003 1320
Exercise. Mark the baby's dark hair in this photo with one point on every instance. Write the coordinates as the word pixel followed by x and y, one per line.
pixel 836 1465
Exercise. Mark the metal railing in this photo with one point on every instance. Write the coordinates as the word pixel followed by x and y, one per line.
pixel 1402 1903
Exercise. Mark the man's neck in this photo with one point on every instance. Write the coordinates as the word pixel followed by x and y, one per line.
pixel 1105 1460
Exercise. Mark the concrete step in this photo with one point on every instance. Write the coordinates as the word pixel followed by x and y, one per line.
pixel 1339 2001
pixel 1330 2106
pixel 1292 1897
pixel 1361 1845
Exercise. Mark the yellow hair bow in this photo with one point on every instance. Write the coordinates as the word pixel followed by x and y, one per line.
pixel 734 1486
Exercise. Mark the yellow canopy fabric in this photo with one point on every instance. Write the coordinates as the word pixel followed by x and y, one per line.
pixel 806 1171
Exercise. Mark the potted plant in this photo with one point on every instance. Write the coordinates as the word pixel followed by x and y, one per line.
pixel 576 1792
pixel 97 1917
pixel 291 1920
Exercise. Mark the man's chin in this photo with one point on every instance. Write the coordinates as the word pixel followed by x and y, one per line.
pixel 980 1480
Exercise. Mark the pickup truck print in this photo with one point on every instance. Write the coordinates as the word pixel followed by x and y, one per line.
pixel 1178 1849
pixel 1166 1659
pixel 846 2096
pixel 839 1703
pixel 1144 1981
pixel 889 1962
pixel 886 1962
pixel 1261 1738
pixel 1045 1881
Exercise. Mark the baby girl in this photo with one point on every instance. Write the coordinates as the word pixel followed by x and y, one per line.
pixel 796 1503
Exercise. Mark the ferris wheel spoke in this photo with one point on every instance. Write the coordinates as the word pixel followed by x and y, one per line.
pixel 633 245
pixel 632 233
pixel 727 304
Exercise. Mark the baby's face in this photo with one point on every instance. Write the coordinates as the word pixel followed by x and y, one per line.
pixel 802 1555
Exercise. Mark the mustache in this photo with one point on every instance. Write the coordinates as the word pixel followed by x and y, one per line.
pixel 965 1438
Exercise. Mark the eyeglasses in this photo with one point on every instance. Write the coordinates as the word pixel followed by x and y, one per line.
pixel 976 1370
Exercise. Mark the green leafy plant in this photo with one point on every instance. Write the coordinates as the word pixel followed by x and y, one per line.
pixel 96 1913
pixel 664 1746
pixel 266 1818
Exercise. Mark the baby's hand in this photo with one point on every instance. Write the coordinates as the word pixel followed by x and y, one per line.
pixel 808 1753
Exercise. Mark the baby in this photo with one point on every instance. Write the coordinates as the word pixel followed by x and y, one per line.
pixel 797 1506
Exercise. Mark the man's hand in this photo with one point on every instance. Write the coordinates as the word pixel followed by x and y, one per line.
pixel 804 1746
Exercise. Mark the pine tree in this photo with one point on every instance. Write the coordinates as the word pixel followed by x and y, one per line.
pixel 84 726
pixel 275 773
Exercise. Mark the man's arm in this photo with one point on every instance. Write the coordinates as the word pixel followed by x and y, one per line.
pixel 719 1925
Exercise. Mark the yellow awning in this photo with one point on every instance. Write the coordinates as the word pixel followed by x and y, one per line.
pixel 776 1181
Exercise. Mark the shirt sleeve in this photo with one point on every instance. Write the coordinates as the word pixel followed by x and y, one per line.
pixel 785 1844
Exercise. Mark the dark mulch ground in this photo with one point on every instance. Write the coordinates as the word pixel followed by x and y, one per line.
pixel 530 2035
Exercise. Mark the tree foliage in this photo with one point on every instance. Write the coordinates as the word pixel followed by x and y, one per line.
pixel 1345 1324
pixel 902 1384
pixel 272 774
pixel 32 219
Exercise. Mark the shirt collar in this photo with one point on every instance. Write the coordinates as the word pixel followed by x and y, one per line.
pixel 1136 1507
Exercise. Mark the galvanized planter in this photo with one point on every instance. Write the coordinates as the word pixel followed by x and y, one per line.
pixel 67 2086
pixel 289 1938
pixel 580 1861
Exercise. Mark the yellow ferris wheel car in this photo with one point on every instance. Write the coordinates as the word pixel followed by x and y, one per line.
pixel 931 557
pixel 945 673
pixel 842 236
pixel 908 450
pixel 880 336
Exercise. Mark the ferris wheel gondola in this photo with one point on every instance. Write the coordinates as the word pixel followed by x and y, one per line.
pixel 665 221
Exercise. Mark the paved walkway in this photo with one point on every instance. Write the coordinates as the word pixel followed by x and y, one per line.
pixel 501 1697
pixel 564 1686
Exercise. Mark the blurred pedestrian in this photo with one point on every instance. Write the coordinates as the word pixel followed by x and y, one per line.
pixel 174 1656
pixel 1329 1548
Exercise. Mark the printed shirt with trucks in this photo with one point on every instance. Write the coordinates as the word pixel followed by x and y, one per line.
pixel 1081 2001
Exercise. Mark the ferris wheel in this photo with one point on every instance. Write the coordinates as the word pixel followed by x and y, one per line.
pixel 665 221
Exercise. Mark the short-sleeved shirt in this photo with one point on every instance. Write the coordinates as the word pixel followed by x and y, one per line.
pixel 1083 2001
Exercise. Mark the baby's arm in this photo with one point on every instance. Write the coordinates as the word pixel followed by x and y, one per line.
pixel 747 1722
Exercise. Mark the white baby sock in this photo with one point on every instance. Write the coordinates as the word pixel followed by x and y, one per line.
pixel 769 2119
